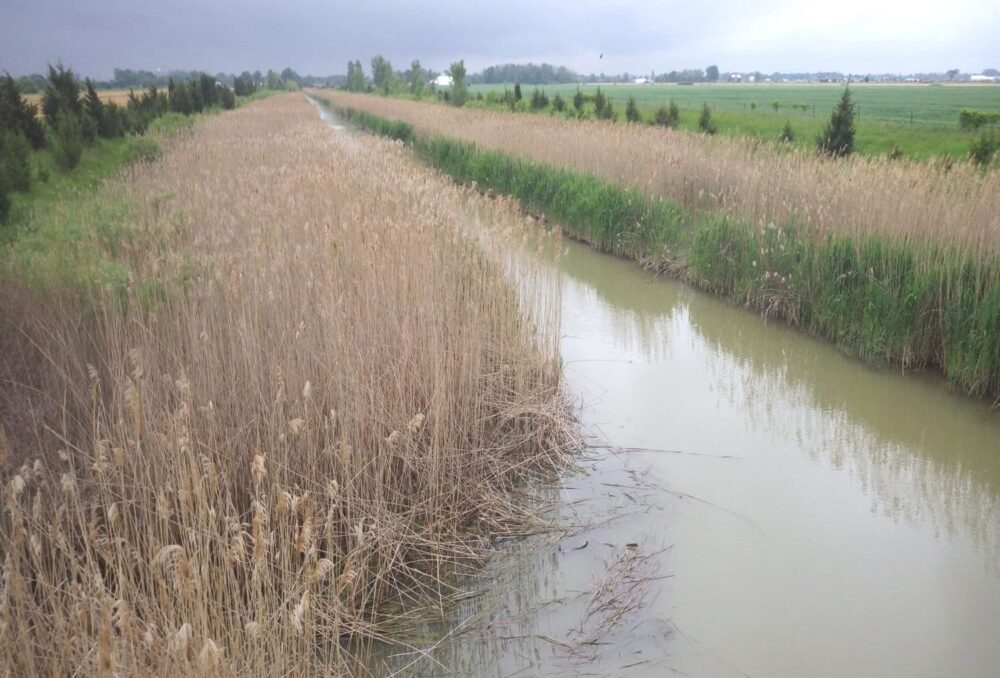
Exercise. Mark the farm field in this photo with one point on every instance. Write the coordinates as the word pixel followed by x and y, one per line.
pixel 921 121
pixel 117 96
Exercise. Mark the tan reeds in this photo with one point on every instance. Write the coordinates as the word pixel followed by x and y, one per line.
pixel 333 395
pixel 947 204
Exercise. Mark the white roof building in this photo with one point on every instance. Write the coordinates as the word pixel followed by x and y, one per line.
pixel 985 78
pixel 443 80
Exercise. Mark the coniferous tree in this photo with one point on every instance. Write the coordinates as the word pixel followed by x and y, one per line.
pixel 69 140
pixel 705 123
pixel 837 138
pixel 226 97
pixel 206 85
pixel 382 74
pixel 538 100
pixel 668 116
pixel 600 101
pixel 517 92
pixel 416 79
pixel 62 94
pixel 632 110
pixel 787 134
pixel 459 88
pixel 93 108
pixel 18 114
pixel 559 103
pixel 15 167
pixel 578 101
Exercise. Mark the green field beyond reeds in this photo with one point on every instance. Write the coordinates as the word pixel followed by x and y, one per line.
pixel 888 302
pixel 920 121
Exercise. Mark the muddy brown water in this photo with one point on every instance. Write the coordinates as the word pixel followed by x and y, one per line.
pixel 757 504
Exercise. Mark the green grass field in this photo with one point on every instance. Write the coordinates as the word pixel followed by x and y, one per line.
pixel 920 120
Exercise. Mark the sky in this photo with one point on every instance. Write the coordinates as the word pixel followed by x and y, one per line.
pixel 318 37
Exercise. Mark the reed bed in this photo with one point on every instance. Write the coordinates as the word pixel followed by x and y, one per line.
pixel 940 203
pixel 330 402
pixel 887 298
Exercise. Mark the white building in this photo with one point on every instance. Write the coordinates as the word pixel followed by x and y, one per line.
pixel 443 80
pixel 985 78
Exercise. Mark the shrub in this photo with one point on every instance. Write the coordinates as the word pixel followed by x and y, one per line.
pixel 971 119
pixel 459 87
pixel 600 103
pixel 837 139
pixel 705 123
pixel 69 141
pixel 227 98
pixel 668 116
pixel 538 100
pixel 62 95
pixel 632 110
pixel 578 101
pixel 787 134
pixel 15 152
pixel 16 114
pixel 607 112
pixel 141 149
pixel 984 149
pixel 559 103
pixel 517 91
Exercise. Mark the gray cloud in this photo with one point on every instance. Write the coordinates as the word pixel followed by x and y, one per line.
pixel 319 37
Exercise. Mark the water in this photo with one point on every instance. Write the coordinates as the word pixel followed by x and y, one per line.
pixel 759 505
pixel 807 515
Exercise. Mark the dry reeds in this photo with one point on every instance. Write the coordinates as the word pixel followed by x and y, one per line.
pixel 946 204
pixel 331 397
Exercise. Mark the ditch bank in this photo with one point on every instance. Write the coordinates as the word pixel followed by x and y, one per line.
pixel 888 302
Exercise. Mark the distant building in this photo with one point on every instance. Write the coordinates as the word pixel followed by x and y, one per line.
pixel 985 78
pixel 735 77
pixel 641 81
pixel 443 80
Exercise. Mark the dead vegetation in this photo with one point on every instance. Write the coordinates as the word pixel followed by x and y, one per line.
pixel 944 204
pixel 315 400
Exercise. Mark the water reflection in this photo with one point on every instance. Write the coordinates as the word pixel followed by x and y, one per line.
pixel 823 518
pixel 918 451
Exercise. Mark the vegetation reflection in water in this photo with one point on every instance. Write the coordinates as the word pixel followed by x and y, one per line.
pixel 799 494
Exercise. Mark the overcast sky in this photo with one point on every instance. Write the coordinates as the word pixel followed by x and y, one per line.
pixel 318 37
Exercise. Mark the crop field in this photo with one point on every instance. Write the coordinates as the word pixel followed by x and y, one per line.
pixel 921 121
pixel 303 406
pixel 897 103
pixel 118 96
pixel 896 262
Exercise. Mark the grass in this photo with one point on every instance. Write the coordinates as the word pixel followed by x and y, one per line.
pixel 881 295
pixel 920 121
pixel 325 420
pixel 59 238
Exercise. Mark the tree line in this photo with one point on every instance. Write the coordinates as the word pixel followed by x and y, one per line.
pixel 72 116
pixel 127 78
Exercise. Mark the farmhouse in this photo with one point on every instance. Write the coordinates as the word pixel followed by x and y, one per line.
pixel 443 80
pixel 985 78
